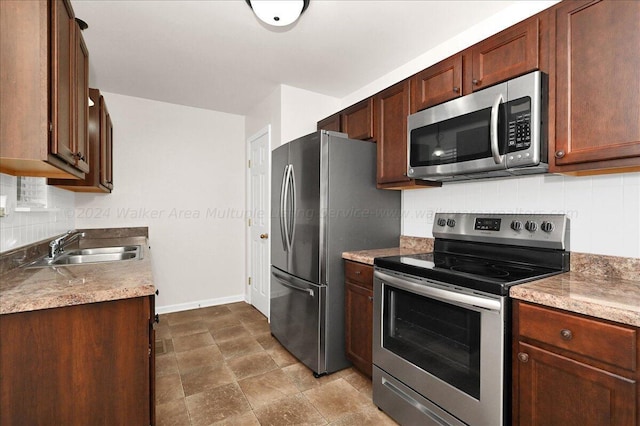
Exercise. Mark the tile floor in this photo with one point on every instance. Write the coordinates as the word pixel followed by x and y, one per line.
pixel 220 365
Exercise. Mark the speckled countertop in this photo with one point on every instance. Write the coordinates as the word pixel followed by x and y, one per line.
pixel 29 289
pixel 604 287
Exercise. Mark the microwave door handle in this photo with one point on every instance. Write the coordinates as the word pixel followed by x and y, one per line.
pixel 495 149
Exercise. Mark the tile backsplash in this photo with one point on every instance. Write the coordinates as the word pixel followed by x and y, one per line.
pixel 19 228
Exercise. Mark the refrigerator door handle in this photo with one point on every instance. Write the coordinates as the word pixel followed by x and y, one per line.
pixel 291 231
pixel 292 286
pixel 283 207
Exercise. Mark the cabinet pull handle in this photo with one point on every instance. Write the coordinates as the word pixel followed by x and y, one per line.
pixel 523 357
pixel 456 89
pixel 560 154
pixel 358 272
pixel 476 82
pixel 566 334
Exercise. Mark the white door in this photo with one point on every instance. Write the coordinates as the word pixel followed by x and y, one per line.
pixel 259 198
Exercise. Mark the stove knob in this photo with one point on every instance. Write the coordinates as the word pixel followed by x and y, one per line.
pixel 547 226
pixel 442 222
pixel 516 225
pixel 451 223
pixel 531 226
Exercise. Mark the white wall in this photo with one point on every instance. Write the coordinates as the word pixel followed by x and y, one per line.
pixel 181 172
pixel 604 210
pixel 291 112
pixel 19 229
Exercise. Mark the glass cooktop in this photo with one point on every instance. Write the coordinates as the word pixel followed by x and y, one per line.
pixel 487 275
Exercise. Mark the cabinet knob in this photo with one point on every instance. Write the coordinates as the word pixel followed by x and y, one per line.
pixel 264 236
pixel 476 82
pixel 566 334
pixel 358 272
pixel 156 319
pixel 370 298
pixel 523 357
pixel 560 154
pixel 157 292
pixel 456 89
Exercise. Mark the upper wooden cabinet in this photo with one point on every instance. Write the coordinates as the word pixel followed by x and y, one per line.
pixel 595 87
pixel 357 120
pixel 330 123
pixel 44 81
pixel 391 111
pixel 510 53
pixel 439 83
pixel 100 129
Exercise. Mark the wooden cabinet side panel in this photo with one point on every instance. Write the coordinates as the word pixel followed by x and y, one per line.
pixel 76 364
pixel 508 54
pixel 392 110
pixel 24 103
pixel 597 104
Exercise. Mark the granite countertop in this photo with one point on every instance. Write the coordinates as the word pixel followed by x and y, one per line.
pixel 613 299
pixel 29 289
pixel 600 286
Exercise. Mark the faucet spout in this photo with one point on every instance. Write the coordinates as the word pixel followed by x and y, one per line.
pixel 57 245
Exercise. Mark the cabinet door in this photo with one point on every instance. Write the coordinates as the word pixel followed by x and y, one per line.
pixel 555 390
pixel 392 109
pixel 62 47
pixel 357 120
pixel 359 326
pixel 330 123
pixel 437 84
pixel 81 104
pixel 510 53
pixel 597 88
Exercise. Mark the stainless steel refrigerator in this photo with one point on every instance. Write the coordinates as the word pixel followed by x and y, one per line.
pixel 324 202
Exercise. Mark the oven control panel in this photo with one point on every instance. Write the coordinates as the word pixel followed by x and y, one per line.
pixel 534 230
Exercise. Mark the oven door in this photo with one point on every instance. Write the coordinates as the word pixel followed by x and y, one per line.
pixel 446 345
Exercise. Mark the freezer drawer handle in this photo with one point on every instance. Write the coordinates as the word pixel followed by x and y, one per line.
pixel 292 287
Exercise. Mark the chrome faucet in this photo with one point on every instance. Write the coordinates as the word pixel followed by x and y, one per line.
pixel 57 246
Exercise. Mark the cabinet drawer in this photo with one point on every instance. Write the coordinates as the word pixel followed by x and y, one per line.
pixel 608 343
pixel 359 273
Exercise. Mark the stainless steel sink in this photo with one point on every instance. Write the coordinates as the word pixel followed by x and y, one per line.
pixel 91 255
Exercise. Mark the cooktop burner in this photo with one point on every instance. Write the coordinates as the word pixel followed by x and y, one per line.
pixel 489 253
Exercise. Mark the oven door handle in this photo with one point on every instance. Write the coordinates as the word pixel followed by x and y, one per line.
pixel 440 294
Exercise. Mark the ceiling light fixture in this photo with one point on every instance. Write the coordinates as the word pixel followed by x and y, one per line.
pixel 278 13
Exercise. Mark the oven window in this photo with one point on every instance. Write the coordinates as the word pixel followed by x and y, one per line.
pixel 458 139
pixel 440 338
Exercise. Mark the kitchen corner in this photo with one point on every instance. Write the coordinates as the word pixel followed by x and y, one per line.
pixel 82 335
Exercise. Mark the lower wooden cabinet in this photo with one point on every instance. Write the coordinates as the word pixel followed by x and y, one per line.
pixel 359 314
pixel 87 364
pixel 569 369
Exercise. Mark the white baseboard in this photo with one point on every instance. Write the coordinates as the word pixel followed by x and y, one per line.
pixel 199 304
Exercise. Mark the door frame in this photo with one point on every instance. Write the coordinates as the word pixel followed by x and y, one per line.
pixel 248 264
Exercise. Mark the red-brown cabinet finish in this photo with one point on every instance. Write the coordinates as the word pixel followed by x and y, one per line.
pixel 357 120
pixel 436 84
pixel 330 123
pixel 359 315
pixel 392 108
pixel 78 365
pixel 570 369
pixel 510 53
pixel 597 87
pixel 80 124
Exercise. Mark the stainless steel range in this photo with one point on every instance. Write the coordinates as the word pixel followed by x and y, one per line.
pixel 441 319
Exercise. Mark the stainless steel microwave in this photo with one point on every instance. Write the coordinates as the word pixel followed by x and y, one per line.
pixel 496 132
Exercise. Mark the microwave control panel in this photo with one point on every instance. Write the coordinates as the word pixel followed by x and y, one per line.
pixel 519 124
